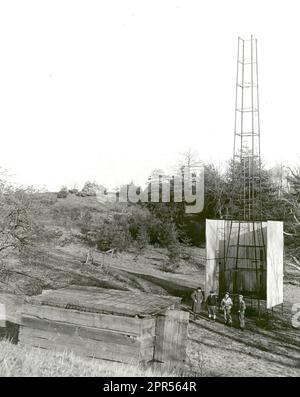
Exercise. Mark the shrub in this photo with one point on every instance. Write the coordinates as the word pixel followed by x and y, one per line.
pixel 63 193
pixel 73 191
pixel 90 189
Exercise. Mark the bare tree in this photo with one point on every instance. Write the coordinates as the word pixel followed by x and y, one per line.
pixel 16 221
pixel 190 158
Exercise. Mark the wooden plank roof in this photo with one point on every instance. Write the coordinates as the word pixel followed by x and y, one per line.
pixel 101 300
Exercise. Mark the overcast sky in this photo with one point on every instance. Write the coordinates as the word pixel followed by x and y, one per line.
pixel 109 90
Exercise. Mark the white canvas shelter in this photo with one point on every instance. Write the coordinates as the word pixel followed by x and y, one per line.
pixel 255 268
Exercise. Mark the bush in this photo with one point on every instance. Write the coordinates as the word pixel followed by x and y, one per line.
pixel 142 239
pixel 73 191
pixel 63 193
pixel 106 232
pixel 90 189
pixel 134 225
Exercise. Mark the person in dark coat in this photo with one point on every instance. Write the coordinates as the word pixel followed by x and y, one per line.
pixel 241 312
pixel 211 304
pixel 197 297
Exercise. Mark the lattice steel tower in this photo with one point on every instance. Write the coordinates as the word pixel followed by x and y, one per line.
pixel 242 254
pixel 246 156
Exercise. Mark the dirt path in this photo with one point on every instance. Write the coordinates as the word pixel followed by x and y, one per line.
pixel 217 350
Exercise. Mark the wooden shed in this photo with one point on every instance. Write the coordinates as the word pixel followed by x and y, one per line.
pixel 123 326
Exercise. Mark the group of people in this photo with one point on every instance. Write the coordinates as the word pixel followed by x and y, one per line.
pixel 212 305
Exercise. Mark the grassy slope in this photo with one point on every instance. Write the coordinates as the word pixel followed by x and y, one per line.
pixel 264 349
pixel 26 362
pixel 59 261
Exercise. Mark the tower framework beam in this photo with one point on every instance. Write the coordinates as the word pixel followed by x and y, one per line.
pixel 246 154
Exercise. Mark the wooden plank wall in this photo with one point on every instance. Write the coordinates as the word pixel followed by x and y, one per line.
pixel 109 337
pixel 161 338
pixel 11 306
pixel 171 337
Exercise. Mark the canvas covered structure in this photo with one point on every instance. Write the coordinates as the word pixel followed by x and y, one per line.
pixel 245 257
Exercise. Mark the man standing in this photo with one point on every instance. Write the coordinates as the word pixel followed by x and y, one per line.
pixel 211 304
pixel 241 311
pixel 226 305
pixel 198 298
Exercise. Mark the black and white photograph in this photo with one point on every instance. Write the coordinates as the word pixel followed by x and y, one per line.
pixel 149 191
